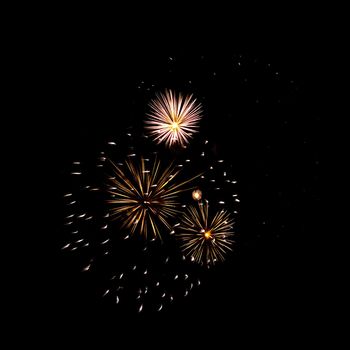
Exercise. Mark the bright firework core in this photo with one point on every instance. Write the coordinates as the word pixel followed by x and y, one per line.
pixel 207 234
pixel 175 126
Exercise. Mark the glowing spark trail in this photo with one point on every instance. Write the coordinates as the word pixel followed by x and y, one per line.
pixel 173 119
pixel 206 241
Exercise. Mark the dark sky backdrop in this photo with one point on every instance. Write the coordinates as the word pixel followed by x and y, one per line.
pixel 258 112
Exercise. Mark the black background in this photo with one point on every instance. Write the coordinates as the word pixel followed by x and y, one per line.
pixel 265 126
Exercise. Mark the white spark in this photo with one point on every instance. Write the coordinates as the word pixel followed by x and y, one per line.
pixel 87 268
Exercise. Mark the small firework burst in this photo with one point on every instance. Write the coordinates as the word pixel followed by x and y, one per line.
pixel 173 119
pixel 197 195
pixel 143 196
pixel 204 239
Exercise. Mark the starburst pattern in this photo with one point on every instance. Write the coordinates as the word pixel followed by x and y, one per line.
pixel 145 195
pixel 204 239
pixel 173 119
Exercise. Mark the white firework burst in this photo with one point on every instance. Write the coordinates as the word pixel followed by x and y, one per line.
pixel 173 119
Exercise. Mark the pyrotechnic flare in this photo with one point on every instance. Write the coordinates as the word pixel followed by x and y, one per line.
pixel 144 195
pixel 204 239
pixel 197 195
pixel 173 119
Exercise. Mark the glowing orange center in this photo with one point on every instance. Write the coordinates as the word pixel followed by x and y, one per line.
pixel 207 234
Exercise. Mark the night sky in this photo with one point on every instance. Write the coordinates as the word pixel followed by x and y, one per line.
pixel 257 114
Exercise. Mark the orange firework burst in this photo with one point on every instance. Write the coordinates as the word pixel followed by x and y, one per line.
pixel 173 119
pixel 204 240
pixel 145 195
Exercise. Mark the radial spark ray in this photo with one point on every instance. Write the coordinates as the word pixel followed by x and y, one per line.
pixel 206 240
pixel 173 119
pixel 143 196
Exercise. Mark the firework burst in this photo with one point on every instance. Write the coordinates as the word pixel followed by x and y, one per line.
pixel 204 239
pixel 173 119
pixel 144 195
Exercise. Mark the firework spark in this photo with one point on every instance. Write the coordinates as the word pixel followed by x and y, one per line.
pixel 197 195
pixel 173 119
pixel 144 196
pixel 206 240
